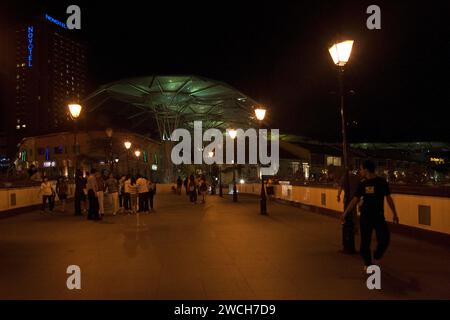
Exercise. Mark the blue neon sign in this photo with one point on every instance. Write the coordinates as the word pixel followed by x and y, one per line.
pixel 55 21
pixel 30 35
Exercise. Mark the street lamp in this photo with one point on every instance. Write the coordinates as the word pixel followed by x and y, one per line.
pixel 109 134
pixel 213 189
pixel 137 153
pixel 233 133
pixel 340 53
pixel 127 145
pixel 260 113
pixel 75 110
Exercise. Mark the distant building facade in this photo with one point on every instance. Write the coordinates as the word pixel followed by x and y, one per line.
pixel 55 154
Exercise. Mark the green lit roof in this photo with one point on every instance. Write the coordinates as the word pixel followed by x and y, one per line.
pixel 177 101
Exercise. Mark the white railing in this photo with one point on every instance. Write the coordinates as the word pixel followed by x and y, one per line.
pixel 424 212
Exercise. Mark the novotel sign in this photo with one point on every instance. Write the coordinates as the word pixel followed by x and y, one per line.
pixel 30 35
pixel 55 21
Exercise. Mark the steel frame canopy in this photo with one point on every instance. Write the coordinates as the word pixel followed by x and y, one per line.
pixel 176 101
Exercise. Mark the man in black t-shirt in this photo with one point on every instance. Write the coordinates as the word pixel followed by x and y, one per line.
pixel 372 190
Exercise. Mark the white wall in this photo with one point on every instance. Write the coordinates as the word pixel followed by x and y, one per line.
pixel 407 205
pixel 25 196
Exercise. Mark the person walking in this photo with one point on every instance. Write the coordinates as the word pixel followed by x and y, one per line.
pixel 179 185
pixel 192 186
pixel 151 193
pixel 203 188
pixel 92 188
pixel 79 196
pixel 373 189
pixel 61 190
pixel 100 193
pixel 47 193
pixel 112 186
pixel 142 188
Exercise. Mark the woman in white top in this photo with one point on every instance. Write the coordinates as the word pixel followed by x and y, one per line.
pixel 47 193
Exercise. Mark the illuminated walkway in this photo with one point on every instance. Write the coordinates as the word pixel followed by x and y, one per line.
pixel 221 250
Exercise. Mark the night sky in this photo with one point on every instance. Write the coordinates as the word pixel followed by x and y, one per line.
pixel 276 52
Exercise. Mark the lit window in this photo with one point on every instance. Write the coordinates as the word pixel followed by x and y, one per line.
pixel 334 161
pixel 18 127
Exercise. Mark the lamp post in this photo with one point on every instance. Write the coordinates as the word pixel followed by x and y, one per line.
pixel 260 113
pixel 75 110
pixel 109 134
pixel 127 145
pixel 137 153
pixel 213 190
pixel 233 133
pixel 340 53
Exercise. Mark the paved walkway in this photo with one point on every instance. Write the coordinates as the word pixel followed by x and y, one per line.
pixel 219 250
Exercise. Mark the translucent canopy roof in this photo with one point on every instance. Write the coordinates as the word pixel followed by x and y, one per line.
pixel 177 101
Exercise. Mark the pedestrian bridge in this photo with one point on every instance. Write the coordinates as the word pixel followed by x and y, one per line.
pixel 217 250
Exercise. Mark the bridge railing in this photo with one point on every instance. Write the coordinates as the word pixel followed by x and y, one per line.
pixel 425 212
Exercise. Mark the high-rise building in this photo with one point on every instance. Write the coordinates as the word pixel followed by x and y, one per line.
pixel 50 71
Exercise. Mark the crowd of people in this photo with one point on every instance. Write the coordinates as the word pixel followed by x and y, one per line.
pixel 193 187
pixel 126 194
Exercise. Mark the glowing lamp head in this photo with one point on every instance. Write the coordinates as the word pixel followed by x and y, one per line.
pixel 260 113
pixel 75 110
pixel 127 144
pixel 211 154
pixel 137 153
pixel 340 52
pixel 232 133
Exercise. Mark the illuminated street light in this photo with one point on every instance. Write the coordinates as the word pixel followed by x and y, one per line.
pixel 233 133
pixel 127 145
pixel 340 53
pixel 137 153
pixel 260 114
pixel 75 111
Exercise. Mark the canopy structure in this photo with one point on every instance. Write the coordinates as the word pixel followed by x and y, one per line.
pixel 165 103
pixel 176 102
